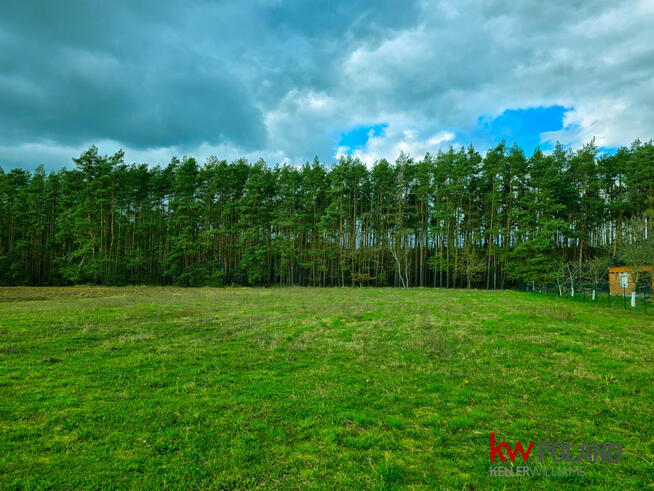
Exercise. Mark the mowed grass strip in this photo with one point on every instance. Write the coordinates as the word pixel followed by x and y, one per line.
pixel 313 388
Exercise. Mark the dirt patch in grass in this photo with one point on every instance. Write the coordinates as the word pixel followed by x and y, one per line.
pixel 30 294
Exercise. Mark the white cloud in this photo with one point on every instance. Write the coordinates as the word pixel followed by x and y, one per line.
pixel 450 69
pixel 445 136
pixel 395 140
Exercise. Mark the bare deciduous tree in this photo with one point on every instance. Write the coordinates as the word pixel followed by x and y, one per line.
pixel 596 270
pixel 567 275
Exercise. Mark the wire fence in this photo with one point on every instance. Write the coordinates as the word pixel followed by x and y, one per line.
pixel 599 295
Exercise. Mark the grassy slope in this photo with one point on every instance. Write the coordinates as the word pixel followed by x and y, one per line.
pixel 324 388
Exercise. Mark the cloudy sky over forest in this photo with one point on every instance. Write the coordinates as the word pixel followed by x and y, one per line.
pixel 288 80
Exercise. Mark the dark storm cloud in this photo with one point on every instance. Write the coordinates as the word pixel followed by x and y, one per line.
pixel 160 74
pixel 74 71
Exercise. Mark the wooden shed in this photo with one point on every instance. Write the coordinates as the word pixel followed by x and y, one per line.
pixel 620 280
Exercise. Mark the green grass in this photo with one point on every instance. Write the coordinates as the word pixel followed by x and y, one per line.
pixel 313 388
pixel 618 302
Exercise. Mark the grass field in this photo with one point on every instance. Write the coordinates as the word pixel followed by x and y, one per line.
pixel 314 388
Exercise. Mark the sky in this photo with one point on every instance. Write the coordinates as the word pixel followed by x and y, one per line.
pixel 290 80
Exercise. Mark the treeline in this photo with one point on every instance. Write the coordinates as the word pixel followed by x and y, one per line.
pixel 454 219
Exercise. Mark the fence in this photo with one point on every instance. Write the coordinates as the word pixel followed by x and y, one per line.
pixel 595 294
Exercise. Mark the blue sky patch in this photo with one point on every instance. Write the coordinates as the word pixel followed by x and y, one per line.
pixel 357 137
pixel 523 126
